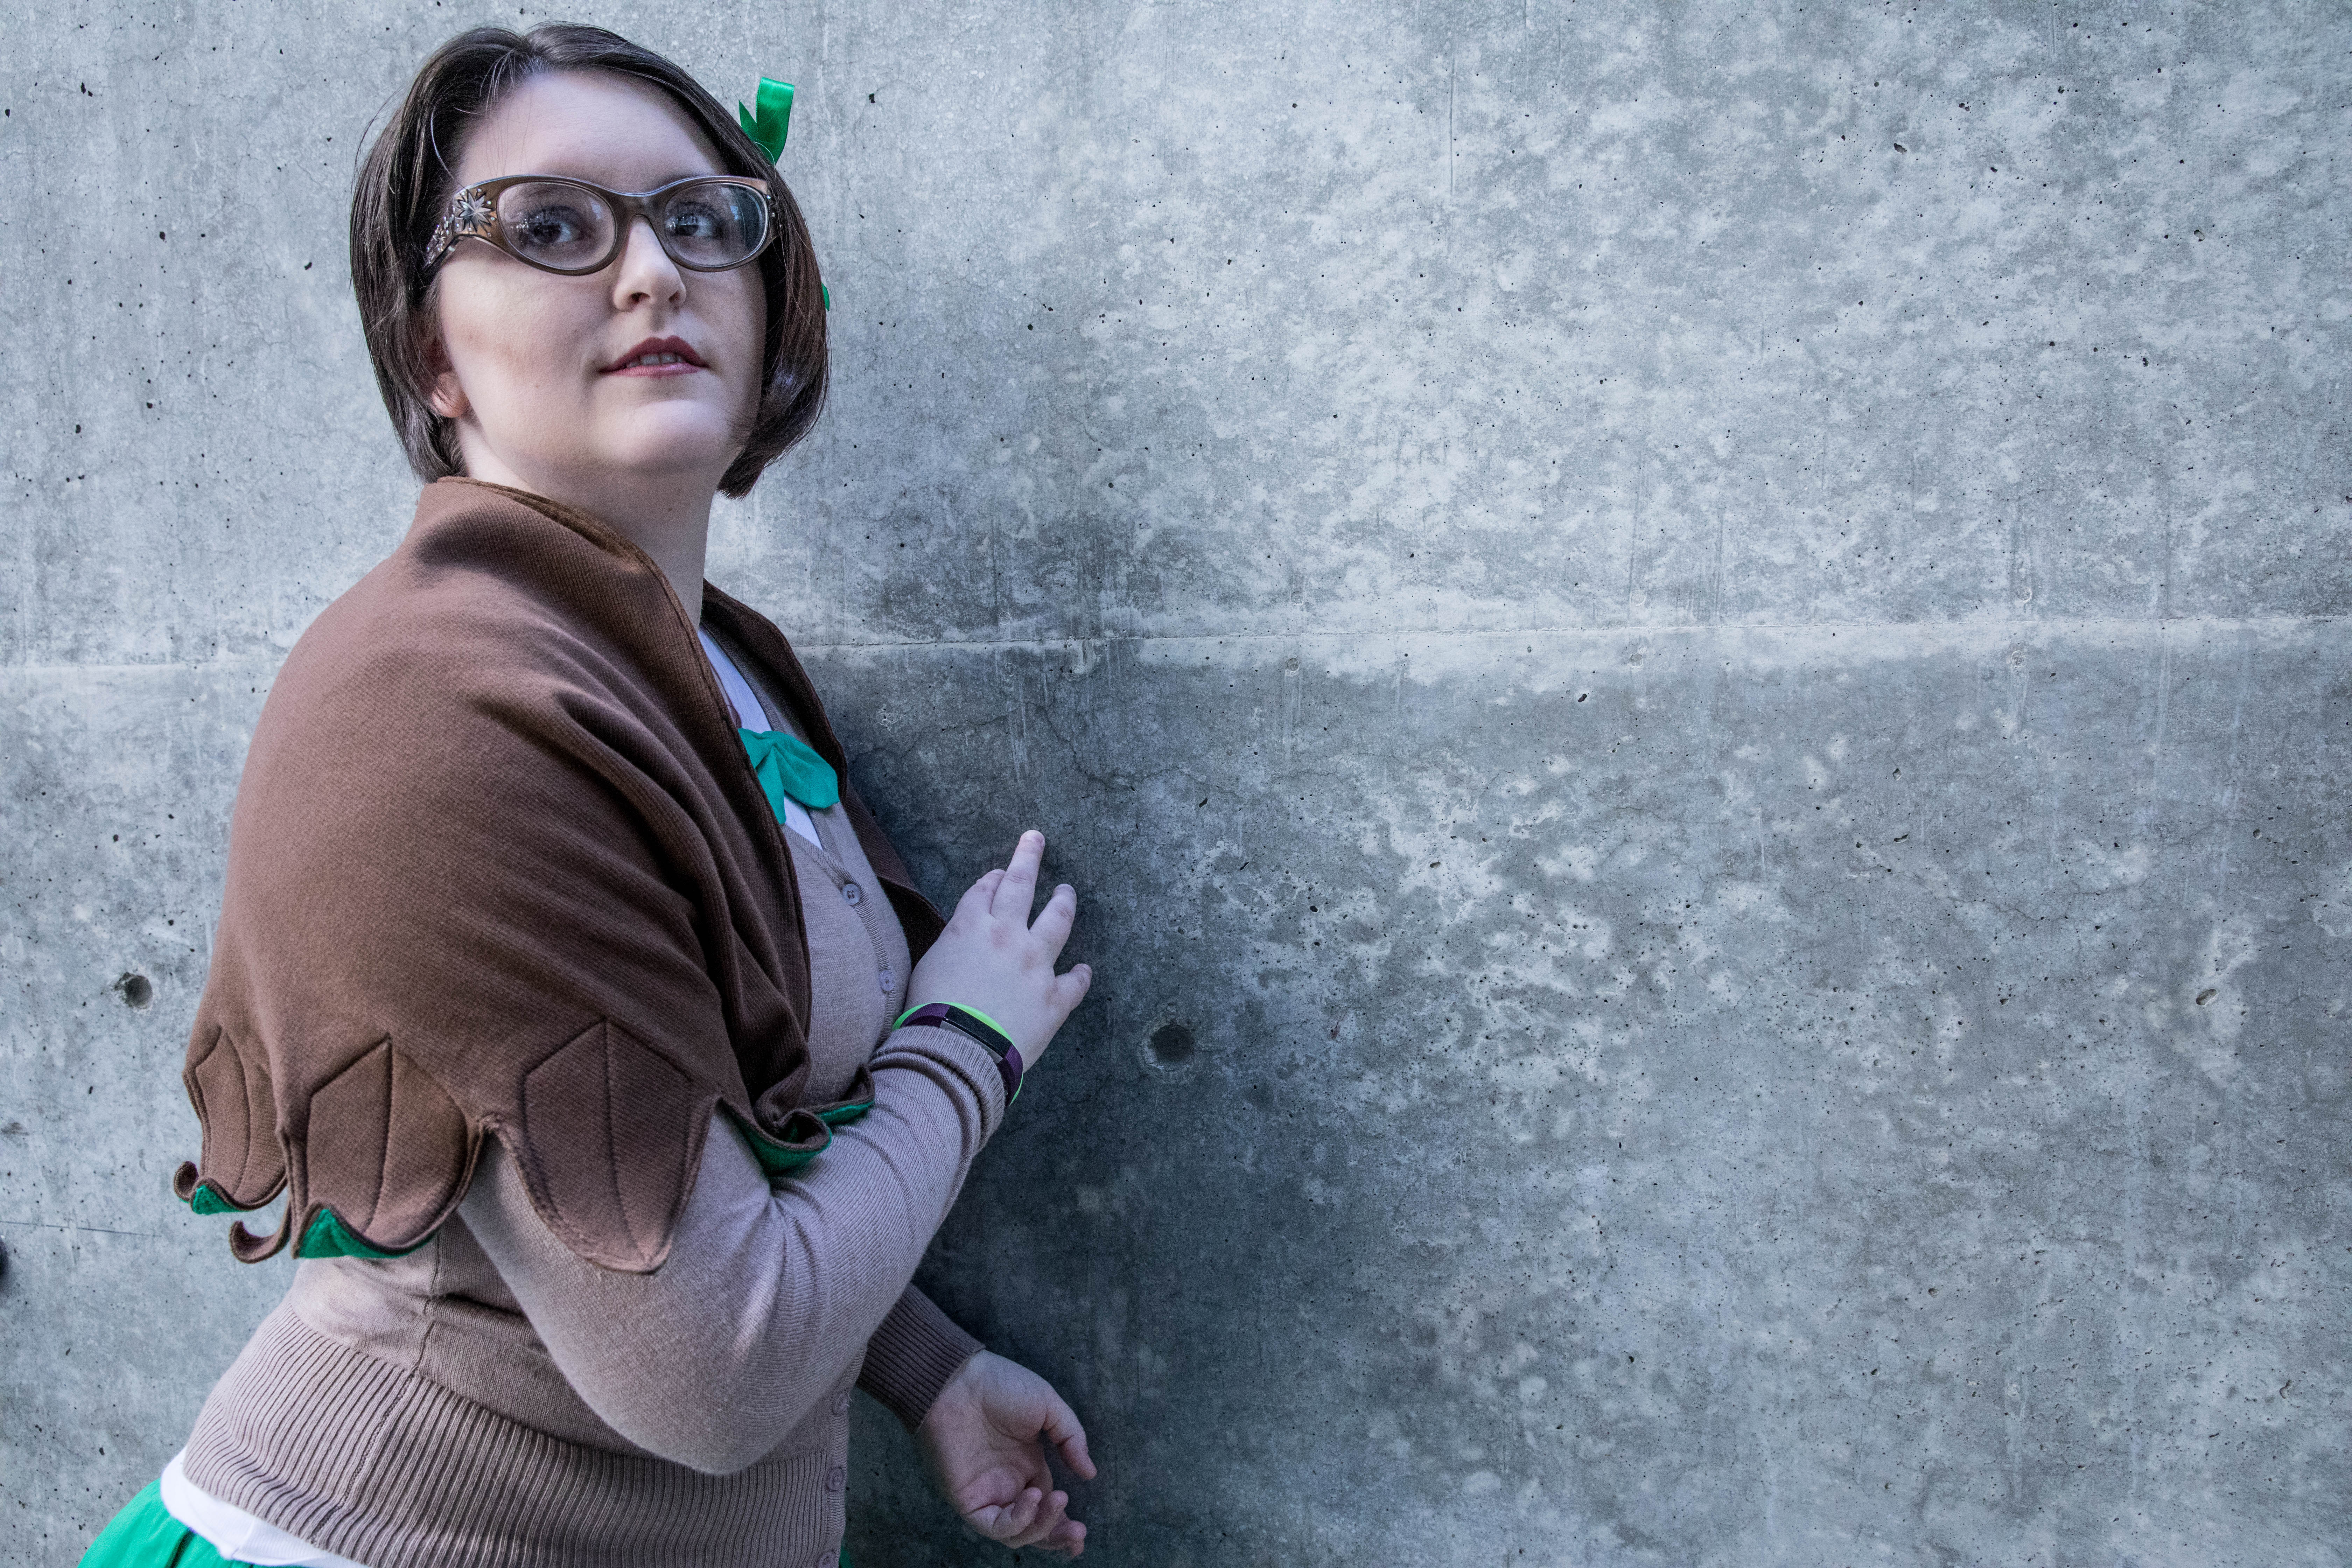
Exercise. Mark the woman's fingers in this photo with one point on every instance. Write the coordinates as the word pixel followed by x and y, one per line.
pixel 978 896
pixel 1070 989
pixel 1054 921
pixel 1005 1521
pixel 1018 890
pixel 1064 1431
pixel 1047 1519
pixel 993 959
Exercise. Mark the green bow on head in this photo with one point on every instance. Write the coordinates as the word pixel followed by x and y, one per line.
pixel 768 128
pixel 775 118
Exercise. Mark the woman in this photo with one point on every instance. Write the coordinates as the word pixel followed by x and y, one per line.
pixel 614 1073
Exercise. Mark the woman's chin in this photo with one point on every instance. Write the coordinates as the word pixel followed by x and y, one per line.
pixel 670 437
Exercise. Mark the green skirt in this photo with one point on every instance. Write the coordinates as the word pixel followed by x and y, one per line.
pixel 145 1535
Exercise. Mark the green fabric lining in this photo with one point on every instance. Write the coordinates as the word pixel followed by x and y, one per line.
pixel 780 1159
pixel 328 1238
pixel 208 1201
pixel 776 1160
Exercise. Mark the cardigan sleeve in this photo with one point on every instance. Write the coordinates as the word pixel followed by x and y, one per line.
pixel 912 1355
pixel 770 1290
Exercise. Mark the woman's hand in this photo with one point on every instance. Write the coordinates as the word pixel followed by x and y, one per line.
pixel 985 1439
pixel 992 959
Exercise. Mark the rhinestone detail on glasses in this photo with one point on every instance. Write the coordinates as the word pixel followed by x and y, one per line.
pixel 471 212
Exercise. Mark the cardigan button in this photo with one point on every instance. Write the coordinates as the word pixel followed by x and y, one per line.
pixel 827 1560
pixel 890 983
pixel 851 893
pixel 835 1478
pixel 841 1402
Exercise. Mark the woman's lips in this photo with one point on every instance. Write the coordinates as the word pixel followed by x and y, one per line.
pixel 670 365
pixel 658 357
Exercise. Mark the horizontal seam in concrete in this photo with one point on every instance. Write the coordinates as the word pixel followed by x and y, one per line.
pixel 1946 631
pixel 1927 633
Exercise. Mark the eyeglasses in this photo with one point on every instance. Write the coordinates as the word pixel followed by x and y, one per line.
pixel 707 223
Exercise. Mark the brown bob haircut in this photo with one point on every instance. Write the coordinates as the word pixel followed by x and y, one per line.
pixel 409 174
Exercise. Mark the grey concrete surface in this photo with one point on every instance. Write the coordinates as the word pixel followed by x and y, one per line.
pixel 1694 658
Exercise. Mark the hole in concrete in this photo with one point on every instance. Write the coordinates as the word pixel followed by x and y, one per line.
pixel 137 989
pixel 1171 1045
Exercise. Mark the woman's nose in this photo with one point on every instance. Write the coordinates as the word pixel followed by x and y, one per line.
pixel 645 270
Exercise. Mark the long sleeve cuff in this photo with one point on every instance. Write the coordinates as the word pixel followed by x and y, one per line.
pixel 912 1355
pixel 953 1060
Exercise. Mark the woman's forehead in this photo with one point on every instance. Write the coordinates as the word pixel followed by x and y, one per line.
pixel 612 130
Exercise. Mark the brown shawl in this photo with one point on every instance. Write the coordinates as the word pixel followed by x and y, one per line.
pixel 500 865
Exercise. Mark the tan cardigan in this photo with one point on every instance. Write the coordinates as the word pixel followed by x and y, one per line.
pixel 498 1394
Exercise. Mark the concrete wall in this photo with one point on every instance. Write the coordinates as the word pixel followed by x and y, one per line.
pixel 1693 656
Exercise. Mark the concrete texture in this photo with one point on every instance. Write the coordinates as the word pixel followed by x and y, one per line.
pixel 1693 656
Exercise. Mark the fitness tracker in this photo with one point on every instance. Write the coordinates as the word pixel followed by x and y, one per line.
pixel 978 1026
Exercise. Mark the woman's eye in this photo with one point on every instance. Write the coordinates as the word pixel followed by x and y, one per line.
pixel 552 225
pixel 694 223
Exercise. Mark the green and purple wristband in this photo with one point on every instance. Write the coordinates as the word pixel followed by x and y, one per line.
pixel 979 1026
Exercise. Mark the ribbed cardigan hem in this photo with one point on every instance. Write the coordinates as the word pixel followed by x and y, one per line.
pixel 370 1460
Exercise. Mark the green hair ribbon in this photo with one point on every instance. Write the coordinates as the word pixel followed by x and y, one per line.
pixel 775 118
pixel 769 127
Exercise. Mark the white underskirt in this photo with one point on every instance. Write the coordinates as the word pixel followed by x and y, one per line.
pixel 235 1535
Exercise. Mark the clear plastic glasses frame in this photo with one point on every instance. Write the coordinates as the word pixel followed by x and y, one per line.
pixel 481 212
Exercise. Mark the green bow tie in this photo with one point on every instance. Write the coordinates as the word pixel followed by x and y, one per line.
pixel 787 765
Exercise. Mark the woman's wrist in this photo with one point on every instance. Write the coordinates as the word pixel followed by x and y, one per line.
pixel 974 1011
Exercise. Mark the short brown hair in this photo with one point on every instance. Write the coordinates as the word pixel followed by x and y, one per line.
pixel 409 175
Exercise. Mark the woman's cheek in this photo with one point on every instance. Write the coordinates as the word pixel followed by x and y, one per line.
pixel 530 351
pixel 748 308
